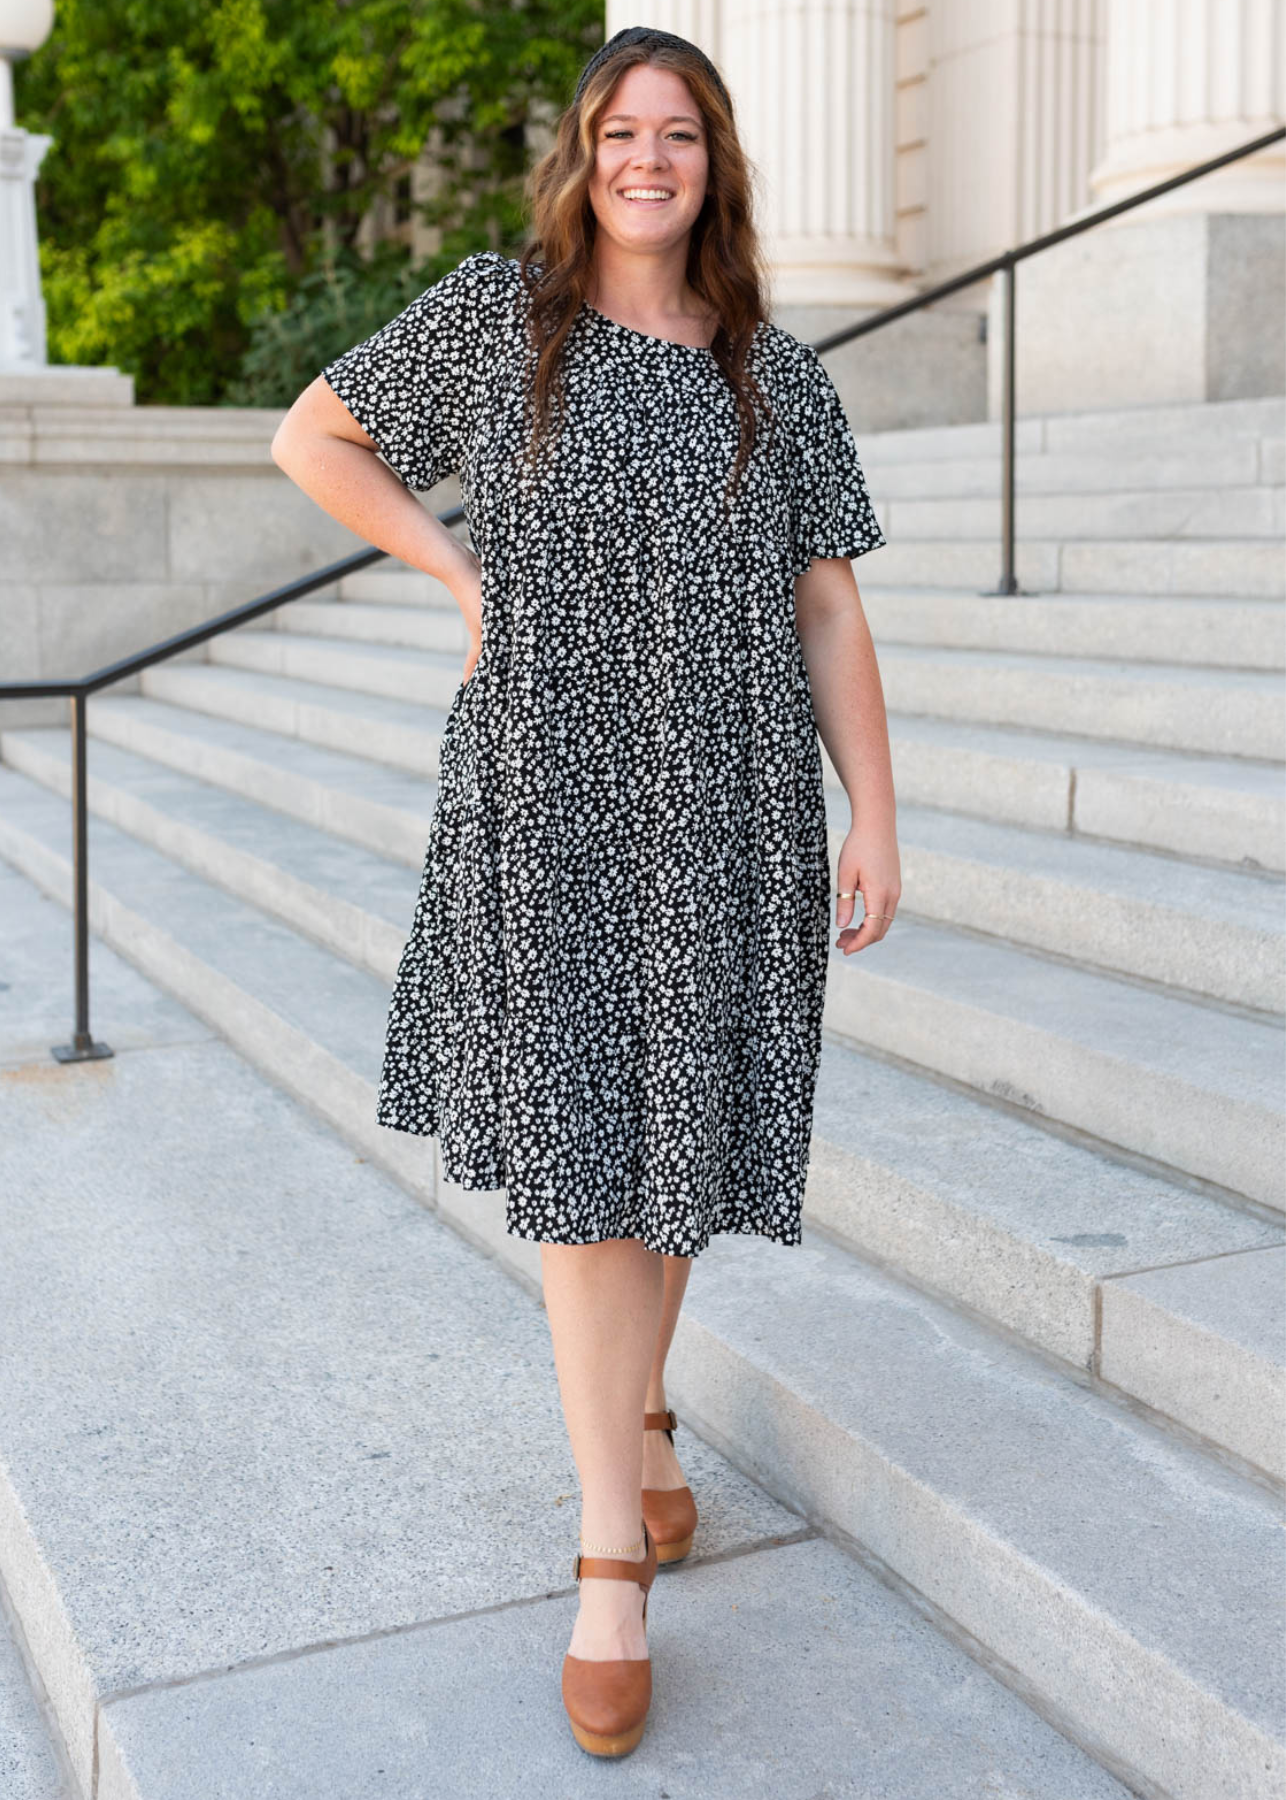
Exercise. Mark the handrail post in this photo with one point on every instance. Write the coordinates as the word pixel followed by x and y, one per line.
pixel 1009 578
pixel 1008 411
pixel 82 1047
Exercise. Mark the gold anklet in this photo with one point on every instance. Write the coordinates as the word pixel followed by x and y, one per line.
pixel 613 1549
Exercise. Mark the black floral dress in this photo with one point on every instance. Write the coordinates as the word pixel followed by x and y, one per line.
pixel 610 1000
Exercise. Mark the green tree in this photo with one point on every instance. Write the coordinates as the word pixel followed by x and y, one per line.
pixel 212 164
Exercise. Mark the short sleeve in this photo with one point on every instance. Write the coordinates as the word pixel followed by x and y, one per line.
pixel 414 386
pixel 831 511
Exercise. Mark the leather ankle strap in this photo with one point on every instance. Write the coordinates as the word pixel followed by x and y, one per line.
pixel 612 1567
pixel 661 1421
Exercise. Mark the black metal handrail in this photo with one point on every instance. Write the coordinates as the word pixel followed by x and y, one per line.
pixel 1006 263
pixel 83 1047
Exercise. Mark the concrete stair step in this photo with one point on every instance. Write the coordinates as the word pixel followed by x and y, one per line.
pixel 1192 1087
pixel 1101 1562
pixel 1207 631
pixel 1221 462
pixel 905 1170
pixel 253 1560
pixel 355 900
pixel 1228 809
pixel 1186 1339
pixel 362 802
pixel 405 734
pixel 1221 712
pixel 1133 427
pixel 358 1719
pixel 393 583
pixel 414 627
pixel 1231 809
pixel 1197 515
pixel 1060 1243
pixel 1127 1582
pixel 150 752
pixel 1236 567
pixel 427 676
pixel 1216 932
pixel 1132 430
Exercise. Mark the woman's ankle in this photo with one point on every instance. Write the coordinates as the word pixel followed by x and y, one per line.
pixel 607 1537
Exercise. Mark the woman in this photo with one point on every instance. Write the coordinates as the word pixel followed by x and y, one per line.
pixel 610 1000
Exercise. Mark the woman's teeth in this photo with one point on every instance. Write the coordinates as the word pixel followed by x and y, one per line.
pixel 646 194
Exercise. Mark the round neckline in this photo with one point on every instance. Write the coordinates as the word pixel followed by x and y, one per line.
pixel 647 337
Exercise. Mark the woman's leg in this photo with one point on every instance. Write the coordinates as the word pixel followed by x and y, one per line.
pixel 604 1303
pixel 661 1467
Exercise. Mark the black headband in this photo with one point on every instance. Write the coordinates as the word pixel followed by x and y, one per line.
pixel 652 38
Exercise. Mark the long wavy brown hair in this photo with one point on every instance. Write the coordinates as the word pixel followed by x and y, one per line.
pixel 726 266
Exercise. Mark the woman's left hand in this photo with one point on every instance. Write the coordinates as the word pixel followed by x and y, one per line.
pixel 868 862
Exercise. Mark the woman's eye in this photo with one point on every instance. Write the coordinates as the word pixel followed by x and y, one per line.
pixel 688 137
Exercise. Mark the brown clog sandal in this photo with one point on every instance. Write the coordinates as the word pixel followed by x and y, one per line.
pixel 669 1513
pixel 607 1702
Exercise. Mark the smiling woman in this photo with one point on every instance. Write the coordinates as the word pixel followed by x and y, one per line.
pixel 674 190
pixel 610 1001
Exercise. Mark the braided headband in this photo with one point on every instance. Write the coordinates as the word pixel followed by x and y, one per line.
pixel 653 39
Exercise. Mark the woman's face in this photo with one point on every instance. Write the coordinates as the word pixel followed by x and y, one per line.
pixel 651 141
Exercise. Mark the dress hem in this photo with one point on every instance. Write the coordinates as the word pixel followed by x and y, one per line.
pixel 786 1243
pixel 791 1242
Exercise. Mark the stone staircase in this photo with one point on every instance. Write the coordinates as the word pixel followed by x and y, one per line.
pixel 1030 1362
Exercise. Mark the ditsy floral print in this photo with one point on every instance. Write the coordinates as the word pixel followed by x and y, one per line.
pixel 610 1000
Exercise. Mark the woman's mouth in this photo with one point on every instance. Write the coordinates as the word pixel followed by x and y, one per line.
pixel 641 196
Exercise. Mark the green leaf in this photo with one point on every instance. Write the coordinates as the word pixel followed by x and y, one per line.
pixel 224 209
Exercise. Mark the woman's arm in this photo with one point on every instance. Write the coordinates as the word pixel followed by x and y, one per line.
pixel 848 703
pixel 324 451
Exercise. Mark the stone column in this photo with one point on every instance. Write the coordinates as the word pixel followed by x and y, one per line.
pixel 1182 298
pixel 814 87
pixel 696 20
pixel 1186 82
pixel 1015 123
pixel 22 305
